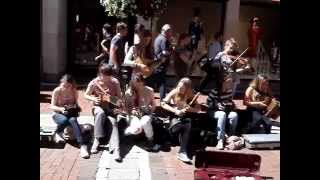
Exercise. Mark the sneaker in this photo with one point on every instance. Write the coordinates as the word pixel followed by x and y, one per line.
pixel 59 138
pixel 84 151
pixel 184 158
pixel 220 145
pixel 95 145
pixel 156 147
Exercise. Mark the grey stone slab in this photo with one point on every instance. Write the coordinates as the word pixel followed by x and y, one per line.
pixel 123 174
pixel 102 173
pixel 125 164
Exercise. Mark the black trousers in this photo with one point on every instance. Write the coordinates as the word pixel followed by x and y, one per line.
pixel 183 130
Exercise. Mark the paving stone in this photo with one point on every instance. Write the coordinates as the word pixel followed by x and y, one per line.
pixel 125 164
pixel 123 174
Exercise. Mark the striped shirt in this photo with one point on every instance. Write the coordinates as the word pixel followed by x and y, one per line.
pixel 220 100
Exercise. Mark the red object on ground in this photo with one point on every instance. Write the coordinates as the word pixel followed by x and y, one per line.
pixel 225 165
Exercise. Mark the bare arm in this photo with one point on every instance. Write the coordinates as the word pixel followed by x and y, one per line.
pixel 249 102
pixel 105 49
pixel 89 93
pixel 54 100
pixel 165 103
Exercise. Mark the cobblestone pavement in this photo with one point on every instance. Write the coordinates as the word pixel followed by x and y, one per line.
pixel 64 162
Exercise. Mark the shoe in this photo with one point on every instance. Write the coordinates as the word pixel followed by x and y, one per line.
pixel 184 158
pixel 95 145
pixel 149 145
pixel 220 145
pixel 84 151
pixel 117 156
pixel 59 138
pixel 156 148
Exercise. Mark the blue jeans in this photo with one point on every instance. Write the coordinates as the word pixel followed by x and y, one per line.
pixel 158 79
pixel 221 117
pixel 63 121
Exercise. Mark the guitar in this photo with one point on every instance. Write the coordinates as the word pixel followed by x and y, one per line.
pixel 150 65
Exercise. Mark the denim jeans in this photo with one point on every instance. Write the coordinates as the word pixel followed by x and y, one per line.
pixel 259 119
pixel 63 121
pixel 158 79
pixel 183 130
pixel 221 117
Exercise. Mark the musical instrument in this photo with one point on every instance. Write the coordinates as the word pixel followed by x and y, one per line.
pixel 178 120
pixel 150 65
pixel 273 109
pixel 239 64
pixel 72 110
pixel 109 101
pixel 273 106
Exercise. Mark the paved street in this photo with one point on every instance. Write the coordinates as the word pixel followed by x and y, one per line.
pixel 63 162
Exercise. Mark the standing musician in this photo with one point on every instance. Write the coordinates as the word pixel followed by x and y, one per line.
pixel 221 108
pixel 178 102
pixel 105 111
pixel 162 50
pixel 140 104
pixel 227 58
pixel 140 55
pixel 117 46
pixel 64 96
pixel 258 97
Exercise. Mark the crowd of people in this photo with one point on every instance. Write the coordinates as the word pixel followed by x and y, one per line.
pixel 134 102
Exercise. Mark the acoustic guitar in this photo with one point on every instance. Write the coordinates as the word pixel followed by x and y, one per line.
pixel 150 65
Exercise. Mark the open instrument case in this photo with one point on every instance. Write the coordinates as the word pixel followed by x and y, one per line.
pixel 222 165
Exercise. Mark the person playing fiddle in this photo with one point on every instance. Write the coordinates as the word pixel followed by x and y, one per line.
pixel 227 59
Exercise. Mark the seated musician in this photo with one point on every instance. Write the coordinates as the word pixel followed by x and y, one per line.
pixel 221 108
pixel 226 57
pixel 63 96
pixel 142 50
pixel 257 97
pixel 104 112
pixel 177 102
pixel 140 103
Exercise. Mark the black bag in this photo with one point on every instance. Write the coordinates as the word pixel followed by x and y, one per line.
pixel 72 110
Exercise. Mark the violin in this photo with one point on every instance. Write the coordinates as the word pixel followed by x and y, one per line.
pixel 239 64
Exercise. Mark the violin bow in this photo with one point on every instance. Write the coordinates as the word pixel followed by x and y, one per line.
pixel 238 57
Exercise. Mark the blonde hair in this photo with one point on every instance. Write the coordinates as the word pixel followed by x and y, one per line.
pixel 186 83
pixel 257 81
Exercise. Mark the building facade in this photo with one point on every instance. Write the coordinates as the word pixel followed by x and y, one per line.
pixel 59 19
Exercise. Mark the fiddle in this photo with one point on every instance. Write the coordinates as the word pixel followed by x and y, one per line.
pixel 239 64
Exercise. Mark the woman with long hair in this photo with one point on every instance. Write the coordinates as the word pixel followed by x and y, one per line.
pixel 176 102
pixel 140 104
pixel 64 96
pixel 142 50
pixel 257 98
